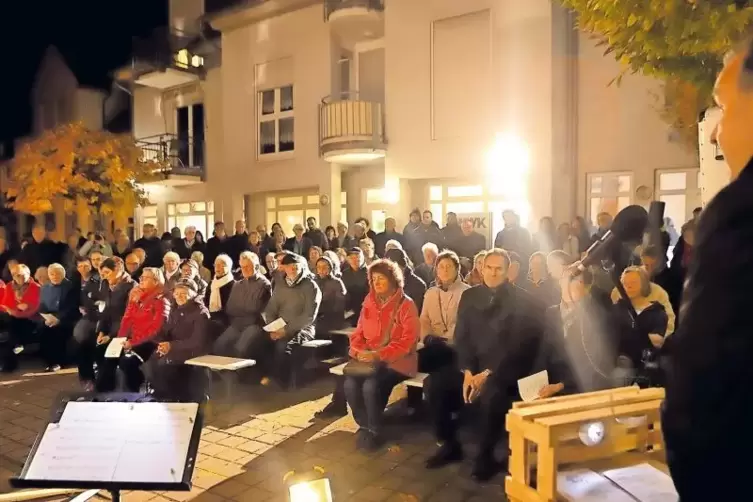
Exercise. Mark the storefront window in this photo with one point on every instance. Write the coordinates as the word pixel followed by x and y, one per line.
pixel 198 214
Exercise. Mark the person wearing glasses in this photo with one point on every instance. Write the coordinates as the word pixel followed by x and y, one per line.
pixel 147 310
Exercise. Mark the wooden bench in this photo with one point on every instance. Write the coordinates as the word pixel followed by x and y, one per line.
pixel 225 367
pixel 416 381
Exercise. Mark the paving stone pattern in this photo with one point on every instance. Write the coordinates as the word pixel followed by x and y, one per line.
pixel 248 447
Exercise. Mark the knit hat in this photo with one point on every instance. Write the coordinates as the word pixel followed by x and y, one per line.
pixel 189 285
pixel 291 259
pixel 355 250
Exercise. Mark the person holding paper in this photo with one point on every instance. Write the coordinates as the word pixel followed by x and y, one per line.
pixel 20 303
pixel 296 301
pixel 114 293
pixel 148 309
pixel 184 337
pixel 498 337
pixel 58 308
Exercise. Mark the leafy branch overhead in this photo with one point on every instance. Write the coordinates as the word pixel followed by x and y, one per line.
pixel 682 42
pixel 78 166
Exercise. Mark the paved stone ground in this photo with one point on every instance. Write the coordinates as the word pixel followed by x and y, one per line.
pixel 247 448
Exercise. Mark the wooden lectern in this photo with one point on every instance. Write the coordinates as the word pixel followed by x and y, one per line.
pixel 596 430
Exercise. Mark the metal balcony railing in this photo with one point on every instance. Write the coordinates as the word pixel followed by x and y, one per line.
pixel 331 6
pixel 179 154
pixel 345 118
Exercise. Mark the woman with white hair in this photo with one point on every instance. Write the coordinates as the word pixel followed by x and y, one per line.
pixel 183 337
pixel 219 289
pixel 170 269
pixel 58 313
pixel 147 311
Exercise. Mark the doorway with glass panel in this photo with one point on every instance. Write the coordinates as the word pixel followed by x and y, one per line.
pixel 680 190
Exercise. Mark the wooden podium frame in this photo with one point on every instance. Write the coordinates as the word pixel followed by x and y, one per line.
pixel 544 434
pixel 184 484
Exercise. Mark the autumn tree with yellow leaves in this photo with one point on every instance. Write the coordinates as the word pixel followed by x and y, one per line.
pixel 78 166
pixel 680 42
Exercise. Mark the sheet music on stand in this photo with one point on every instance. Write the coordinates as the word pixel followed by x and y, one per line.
pixel 116 445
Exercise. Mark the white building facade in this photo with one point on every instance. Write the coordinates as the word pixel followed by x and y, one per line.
pixel 340 109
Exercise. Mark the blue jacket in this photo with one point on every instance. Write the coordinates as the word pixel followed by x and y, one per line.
pixel 60 300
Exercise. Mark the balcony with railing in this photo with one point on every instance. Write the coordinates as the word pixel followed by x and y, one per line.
pixel 355 20
pixel 181 156
pixel 351 130
pixel 169 58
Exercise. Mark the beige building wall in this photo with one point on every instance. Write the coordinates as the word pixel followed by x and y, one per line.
pixel 88 107
pixel 619 128
pixel 154 113
pixel 454 76
pixel 458 74
pixel 293 48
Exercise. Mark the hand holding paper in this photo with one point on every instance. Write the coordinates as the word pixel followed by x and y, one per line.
pixel 115 348
pixel 276 325
pixel 530 386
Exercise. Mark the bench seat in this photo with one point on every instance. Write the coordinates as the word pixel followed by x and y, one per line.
pixel 221 363
pixel 416 381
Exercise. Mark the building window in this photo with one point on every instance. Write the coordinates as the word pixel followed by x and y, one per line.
pixel 469 199
pixel 288 209
pixel 276 121
pixel 149 214
pixel 608 193
pixel 184 59
pixel 197 214
pixel 680 191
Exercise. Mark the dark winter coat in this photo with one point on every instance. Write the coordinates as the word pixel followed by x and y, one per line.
pixel 187 330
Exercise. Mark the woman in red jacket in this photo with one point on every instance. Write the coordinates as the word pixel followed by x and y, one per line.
pixel 147 311
pixel 383 348
pixel 20 304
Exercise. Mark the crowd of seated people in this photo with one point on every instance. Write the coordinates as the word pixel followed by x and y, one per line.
pixel 438 301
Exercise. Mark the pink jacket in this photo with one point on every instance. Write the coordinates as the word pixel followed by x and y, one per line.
pixel 400 350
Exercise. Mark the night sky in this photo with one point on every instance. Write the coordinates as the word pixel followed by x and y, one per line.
pixel 95 35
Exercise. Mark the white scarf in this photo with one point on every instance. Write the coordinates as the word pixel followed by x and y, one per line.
pixel 215 300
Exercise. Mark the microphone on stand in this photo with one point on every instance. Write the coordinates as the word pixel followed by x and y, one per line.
pixel 628 225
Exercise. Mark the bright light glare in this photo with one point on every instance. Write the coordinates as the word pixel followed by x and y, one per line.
pixel 311 491
pixel 354 158
pixel 592 433
pixel 508 165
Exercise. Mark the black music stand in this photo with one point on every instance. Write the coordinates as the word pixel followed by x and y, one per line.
pixel 137 403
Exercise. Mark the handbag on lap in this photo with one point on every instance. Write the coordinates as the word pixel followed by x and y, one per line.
pixel 356 368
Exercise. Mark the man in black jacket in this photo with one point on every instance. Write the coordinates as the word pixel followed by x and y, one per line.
pixel 356 283
pixel 116 286
pixel 498 338
pixel 85 331
pixel 218 244
pixel 41 251
pixel 315 234
pixel 152 246
pixel 708 409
